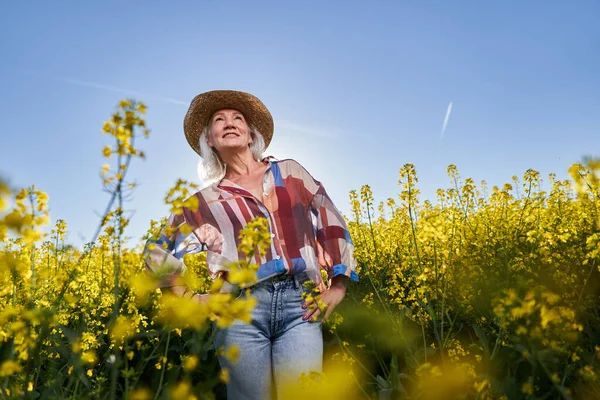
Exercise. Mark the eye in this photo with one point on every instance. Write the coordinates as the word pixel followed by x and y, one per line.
pixel 238 117
pixel 218 119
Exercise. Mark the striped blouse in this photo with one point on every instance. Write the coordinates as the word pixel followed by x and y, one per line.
pixel 299 242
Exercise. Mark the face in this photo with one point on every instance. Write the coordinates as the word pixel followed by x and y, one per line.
pixel 228 131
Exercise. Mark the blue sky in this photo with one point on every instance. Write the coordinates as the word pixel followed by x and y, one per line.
pixel 357 89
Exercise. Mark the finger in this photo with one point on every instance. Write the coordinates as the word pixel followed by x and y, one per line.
pixel 327 314
pixel 204 298
pixel 308 302
pixel 311 314
pixel 307 315
pixel 315 315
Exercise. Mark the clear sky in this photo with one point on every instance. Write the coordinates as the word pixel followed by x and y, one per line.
pixel 357 89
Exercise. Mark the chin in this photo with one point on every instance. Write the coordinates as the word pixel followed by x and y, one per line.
pixel 234 147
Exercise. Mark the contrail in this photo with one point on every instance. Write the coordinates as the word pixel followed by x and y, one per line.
pixel 94 85
pixel 121 90
pixel 446 121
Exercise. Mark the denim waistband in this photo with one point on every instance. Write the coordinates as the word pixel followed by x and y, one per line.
pixel 284 279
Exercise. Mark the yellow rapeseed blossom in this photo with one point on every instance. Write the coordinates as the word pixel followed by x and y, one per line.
pixel 233 353
pixel 89 357
pixel 142 393
pixel 190 363
pixel 182 391
pixel 337 383
pixel 9 367
pixel 449 289
pixel 5 193
pixel 123 328
pixel 527 388
pixel 224 375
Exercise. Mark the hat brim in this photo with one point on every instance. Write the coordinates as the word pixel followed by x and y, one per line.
pixel 206 104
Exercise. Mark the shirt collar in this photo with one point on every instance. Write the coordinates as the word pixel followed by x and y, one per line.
pixel 217 186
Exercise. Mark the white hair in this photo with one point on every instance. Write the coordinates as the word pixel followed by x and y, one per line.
pixel 212 167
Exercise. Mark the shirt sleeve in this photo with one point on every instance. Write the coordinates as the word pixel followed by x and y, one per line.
pixel 163 256
pixel 335 249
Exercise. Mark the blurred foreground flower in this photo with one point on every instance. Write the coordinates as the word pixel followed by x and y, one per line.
pixel 338 382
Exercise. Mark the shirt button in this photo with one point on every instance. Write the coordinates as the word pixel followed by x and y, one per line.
pixel 272 235
pixel 265 194
pixel 278 257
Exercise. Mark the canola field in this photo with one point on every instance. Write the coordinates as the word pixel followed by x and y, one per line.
pixel 481 293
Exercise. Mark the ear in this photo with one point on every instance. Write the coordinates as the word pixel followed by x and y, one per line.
pixel 209 139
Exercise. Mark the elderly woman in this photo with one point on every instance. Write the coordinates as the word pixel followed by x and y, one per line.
pixel 230 130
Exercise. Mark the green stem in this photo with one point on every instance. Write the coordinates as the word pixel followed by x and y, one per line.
pixel 162 371
pixel 424 342
pixel 344 349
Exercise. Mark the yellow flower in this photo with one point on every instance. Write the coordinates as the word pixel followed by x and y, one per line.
pixel 141 107
pixel 182 391
pixel 105 169
pixel 9 367
pixel 122 329
pixel 89 357
pixel 4 193
pixel 107 151
pixel 161 361
pixel 106 127
pixel 143 285
pixel 190 363
pixel 233 353
pixel 142 393
pixel 224 375
pixel 89 372
pixel 527 388
pixel 182 312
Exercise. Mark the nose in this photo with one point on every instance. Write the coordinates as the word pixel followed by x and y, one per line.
pixel 229 122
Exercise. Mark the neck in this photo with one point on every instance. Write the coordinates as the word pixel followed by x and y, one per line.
pixel 240 164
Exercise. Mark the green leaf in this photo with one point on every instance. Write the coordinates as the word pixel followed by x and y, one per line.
pixel 382 382
pixel 482 339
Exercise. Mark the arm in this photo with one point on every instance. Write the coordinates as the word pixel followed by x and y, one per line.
pixel 163 254
pixel 334 245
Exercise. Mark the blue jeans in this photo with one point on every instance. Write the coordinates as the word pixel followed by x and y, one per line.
pixel 277 346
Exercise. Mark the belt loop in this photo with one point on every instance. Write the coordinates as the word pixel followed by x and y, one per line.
pixel 296 283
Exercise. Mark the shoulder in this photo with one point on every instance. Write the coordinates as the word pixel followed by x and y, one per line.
pixel 292 167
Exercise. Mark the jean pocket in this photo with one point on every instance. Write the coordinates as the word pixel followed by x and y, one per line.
pixel 241 294
pixel 244 293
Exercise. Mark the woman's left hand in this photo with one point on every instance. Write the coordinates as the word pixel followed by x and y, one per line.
pixel 331 297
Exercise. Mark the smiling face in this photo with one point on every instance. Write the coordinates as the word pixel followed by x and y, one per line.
pixel 229 131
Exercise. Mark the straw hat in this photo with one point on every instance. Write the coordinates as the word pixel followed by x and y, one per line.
pixel 206 104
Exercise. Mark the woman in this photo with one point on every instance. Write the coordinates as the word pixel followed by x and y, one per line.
pixel 230 130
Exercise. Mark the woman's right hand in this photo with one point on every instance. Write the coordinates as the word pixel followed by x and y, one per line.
pixel 184 291
pixel 201 298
